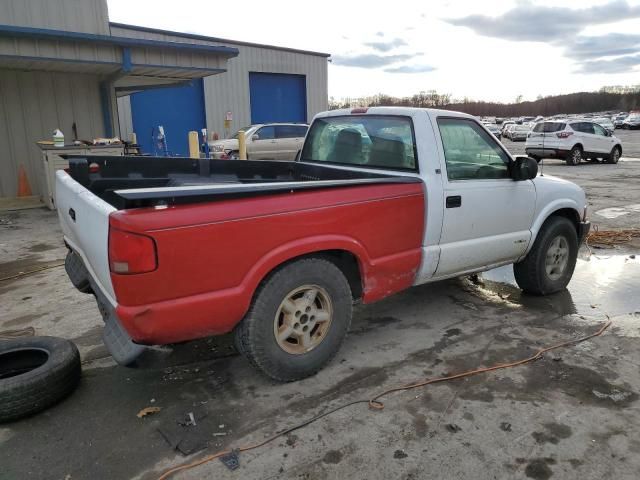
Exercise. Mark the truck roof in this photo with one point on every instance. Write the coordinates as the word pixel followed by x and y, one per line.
pixel 400 111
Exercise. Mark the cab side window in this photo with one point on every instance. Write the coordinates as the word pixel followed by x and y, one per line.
pixel 599 130
pixel 290 131
pixel 471 153
pixel 266 133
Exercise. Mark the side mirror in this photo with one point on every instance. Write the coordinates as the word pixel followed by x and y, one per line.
pixel 255 137
pixel 524 168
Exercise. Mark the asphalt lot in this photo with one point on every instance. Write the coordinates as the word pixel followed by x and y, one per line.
pixel 574 414
pixel 630 144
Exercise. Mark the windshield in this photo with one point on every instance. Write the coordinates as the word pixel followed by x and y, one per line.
pixel 376 141
pixel 245 130
pixel 548 127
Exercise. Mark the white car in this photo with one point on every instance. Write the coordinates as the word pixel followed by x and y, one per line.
pixel 271 141
pixel 573 140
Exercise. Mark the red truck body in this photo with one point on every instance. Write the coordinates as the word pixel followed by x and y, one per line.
pixel 213 256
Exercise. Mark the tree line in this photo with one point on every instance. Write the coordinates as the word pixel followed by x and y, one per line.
pixel 606 99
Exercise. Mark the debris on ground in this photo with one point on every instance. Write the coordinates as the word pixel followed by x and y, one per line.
pixel 231 460
pixel 610 238
pixel 505 426
pixel 188 434
pixel 453 428
pixel 400 454
pixel 148 411
pixel 23 332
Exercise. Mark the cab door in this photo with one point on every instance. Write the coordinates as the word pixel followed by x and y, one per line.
pixel 487 215
pixel 603 139
pixel 262 144
pixel 587 136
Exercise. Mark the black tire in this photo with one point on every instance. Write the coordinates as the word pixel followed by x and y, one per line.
pixel 575 156
pixel 234 155
pixel 35 373
pixel 531 273
pixel 614 156
pixel 77 272
pixel 255 334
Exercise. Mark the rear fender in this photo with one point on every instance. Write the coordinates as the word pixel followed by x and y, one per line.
pixel 307 246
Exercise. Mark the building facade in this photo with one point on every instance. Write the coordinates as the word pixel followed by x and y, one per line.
pixel 64 66
pixel 262 84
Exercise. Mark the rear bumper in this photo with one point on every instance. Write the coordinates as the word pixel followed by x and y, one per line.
pixel 115 337
pixel 583 231
pixel 547 152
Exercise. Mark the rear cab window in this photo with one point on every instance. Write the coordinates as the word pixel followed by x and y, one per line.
pixel 375 141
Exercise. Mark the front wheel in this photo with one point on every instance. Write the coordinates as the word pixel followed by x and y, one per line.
pixel 614 156
pixel 298 320
pixel 549 266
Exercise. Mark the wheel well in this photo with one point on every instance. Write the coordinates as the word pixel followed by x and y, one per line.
pixel 568 213
pixel 578 145
pixel 346 261
pixel 619 147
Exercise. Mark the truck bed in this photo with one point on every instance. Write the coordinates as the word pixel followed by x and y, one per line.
pixel 133 181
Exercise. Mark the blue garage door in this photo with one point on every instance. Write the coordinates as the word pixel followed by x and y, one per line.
pixel 277 97
pixel 178 109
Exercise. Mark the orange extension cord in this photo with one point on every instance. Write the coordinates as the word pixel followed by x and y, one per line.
pixel 376 404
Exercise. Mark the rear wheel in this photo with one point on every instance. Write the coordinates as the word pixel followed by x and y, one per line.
pixel 575 156
pixel 298 320
pixel 549 265
pixel 614 156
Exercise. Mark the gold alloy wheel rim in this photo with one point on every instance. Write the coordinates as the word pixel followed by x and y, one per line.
pixel 303 319
pixel 557 258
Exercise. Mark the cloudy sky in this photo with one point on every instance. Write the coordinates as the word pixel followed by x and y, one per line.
pixel 481 49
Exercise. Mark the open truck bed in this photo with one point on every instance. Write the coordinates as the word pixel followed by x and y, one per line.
pixel 175 248
pixel 133 181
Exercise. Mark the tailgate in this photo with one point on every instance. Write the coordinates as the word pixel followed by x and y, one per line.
pixel 84 219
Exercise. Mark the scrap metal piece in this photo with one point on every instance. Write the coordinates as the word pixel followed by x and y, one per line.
pixel 231 460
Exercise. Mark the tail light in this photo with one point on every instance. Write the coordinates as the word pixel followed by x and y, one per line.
pixel 564 134
pixel 131 253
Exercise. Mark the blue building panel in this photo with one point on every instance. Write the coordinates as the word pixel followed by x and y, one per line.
pixel 178 109
pixel 278 97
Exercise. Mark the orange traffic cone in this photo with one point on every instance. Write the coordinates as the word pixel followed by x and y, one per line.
pixel 24 189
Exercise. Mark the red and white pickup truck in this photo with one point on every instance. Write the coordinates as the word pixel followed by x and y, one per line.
pixel 379 200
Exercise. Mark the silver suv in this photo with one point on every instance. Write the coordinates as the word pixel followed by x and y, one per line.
pixel 573 140
pixel 265 141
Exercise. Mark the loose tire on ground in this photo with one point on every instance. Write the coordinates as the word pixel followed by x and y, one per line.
pixel 35 373
pixel 532 273
pixel 282 298
pixel 575 156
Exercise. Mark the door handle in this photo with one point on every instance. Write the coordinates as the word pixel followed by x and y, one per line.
pixel 454 201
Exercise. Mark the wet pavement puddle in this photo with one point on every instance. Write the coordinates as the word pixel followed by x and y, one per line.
pixel 601 285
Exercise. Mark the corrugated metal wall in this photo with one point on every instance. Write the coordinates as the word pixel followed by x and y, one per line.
pixel 87 16
pixel 32 105
pixel 230 91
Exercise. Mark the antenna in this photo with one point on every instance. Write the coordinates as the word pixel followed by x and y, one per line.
pixel 542 158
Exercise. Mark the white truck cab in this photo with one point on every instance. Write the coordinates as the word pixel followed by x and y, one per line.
pixel 477 216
